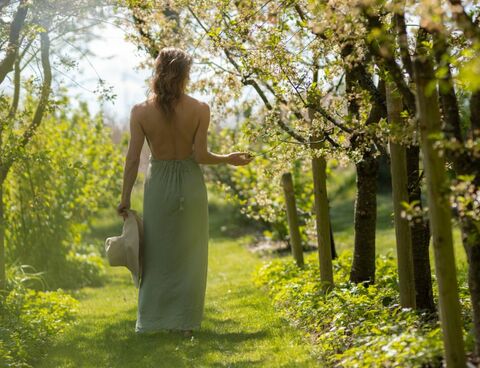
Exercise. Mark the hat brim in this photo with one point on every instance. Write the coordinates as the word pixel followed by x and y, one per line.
pixel 132 243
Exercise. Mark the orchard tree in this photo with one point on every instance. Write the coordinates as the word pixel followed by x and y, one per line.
pixel 281 80
pixel 31 34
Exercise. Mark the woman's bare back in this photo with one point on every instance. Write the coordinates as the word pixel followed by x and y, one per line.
pixel 170 140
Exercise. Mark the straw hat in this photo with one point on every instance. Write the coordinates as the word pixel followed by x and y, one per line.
pixel 126 249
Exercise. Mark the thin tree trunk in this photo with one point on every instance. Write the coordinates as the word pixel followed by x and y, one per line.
pixel 322 214
pixel 471 244
pixel 2 242
pixel 419 229
pixel 292 217
pixel 332 239
pixel 463 164
pixel 475 114
pixel 400 195
pixel 466 165
pixel 322 221
pixel 420 237
pixel 470 230
pixel 439 212
pixel 363 266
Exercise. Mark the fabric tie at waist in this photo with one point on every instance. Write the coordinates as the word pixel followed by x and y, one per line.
pixel 178 166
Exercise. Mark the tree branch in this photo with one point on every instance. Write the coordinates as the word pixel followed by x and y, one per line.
pixel 247 80
pixel 44 97
pixel 384 54
pixel 16 91
pixel 465 22
pixel 448 99
pixel 6 65
pixel 399 20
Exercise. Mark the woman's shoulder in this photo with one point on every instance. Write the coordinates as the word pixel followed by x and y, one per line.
pixel 144 108
pixel 194 100
pixel 140 106
pixel 188 101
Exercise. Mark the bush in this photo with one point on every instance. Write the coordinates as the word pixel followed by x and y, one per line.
pixel 354 325
pixel 83 270
pixel 28 321
pixel 54 189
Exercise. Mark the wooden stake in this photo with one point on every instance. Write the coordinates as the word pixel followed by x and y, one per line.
pixel 322 216
pixel 439 210
pixel 398 168
pixel 292 216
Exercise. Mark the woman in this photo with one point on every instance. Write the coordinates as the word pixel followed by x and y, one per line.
pixel 175 213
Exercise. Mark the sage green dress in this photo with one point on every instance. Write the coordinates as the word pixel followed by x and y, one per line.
pixel 175 261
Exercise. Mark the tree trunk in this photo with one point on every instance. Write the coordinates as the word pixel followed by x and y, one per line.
pixel 470 231
pixel 322 221
pixel 332 239
pixel 420 237
pixel 464 164
pixel 439 212
pixel 400 195
pixel 475 114
pixel 322 215
pixel 3 281
pixel 419 229
pixel 363 266
pixel 292 217
pixel 471 244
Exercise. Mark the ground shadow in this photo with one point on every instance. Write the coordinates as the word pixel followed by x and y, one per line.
pixel 117 345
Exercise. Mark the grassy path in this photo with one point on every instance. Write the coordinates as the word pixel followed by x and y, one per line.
pixel 240 327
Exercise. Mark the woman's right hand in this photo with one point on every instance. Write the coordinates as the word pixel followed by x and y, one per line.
pixel 239 158
pixel 122 209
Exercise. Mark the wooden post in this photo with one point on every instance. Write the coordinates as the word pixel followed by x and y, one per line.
pixel 398 166
pixel 439 210
pixel 295 240
pixel 322 215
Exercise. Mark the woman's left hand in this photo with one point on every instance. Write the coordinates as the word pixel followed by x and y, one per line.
pixel 121 209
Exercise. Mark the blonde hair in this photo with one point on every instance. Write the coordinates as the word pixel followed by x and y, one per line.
pixel 172 67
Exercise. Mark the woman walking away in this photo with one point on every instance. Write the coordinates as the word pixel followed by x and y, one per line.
pixel 175 213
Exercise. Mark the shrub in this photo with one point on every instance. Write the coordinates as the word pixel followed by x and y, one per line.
pixel 68 173
pixel 28 321
pixel 83 270
pixel 354 325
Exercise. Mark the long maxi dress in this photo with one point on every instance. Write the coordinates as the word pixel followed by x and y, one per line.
pixel 171 294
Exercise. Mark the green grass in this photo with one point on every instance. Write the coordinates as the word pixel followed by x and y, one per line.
pixel 240 327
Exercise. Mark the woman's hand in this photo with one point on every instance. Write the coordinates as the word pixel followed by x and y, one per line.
pixel 239 158
pixel 121 209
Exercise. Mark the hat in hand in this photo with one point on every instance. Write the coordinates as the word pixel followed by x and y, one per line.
pixel 126 249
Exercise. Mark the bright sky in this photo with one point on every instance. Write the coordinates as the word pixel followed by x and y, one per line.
pixel 115 61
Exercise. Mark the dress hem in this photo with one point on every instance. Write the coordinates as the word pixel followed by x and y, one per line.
pixel 146 331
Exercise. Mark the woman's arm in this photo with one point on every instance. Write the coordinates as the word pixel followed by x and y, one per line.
pixel 201 153
pixel 132 160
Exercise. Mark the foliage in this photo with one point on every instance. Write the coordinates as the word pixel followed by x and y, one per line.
pixel 29 319
pixel 84 269
pixel 256 188
pixel 67 174
pixel 354 325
